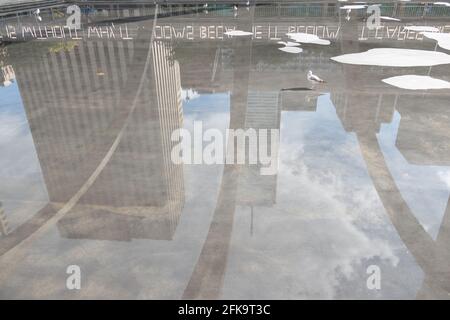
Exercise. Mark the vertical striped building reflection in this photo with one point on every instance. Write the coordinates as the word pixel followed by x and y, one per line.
pixel 87 96
pixel 7 75
pixel 263 112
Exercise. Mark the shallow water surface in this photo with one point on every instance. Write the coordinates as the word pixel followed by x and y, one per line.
pixel 88 178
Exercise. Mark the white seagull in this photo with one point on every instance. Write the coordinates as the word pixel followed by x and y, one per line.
pixel 313 78
pixel 36 13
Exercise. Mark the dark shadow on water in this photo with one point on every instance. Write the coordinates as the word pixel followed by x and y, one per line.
pixel 297 89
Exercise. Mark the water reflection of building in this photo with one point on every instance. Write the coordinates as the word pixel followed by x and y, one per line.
pixel 108 219
pixel 431 147
pixel 361 112
pixel 348 108
pixel 80 103
pixel 262 112
pixel 7 76
pixel 421 138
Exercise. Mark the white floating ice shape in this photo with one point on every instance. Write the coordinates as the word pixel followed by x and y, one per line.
pixel 414 82
pixel 422 28
pixel 238 33
pixel 389 18
pixel 442 4
pixel 291 49
pixel 289 43
pixel 392 57
pixel 353 6
pixel 443 39
pixel 307 38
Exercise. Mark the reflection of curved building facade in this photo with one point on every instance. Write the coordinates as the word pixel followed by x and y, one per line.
pixel 76 114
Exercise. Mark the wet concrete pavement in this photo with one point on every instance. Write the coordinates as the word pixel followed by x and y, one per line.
pixel 363 167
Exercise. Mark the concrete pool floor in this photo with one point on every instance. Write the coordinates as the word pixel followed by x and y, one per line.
pixel 87 176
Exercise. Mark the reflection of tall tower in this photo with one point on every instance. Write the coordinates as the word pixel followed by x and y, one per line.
pixel 82 102
pixel 169 103
pixel 254 189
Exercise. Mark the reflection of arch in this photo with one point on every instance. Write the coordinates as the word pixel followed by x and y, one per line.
pixel 207 277
pixel 432 257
